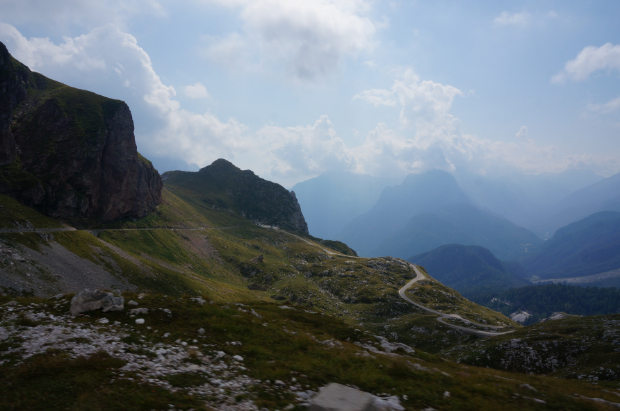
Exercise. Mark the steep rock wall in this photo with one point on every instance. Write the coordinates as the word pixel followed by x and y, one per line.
pixel 70 153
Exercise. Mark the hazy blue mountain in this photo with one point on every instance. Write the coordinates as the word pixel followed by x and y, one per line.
pixel 419 193
pixel 525 198
pixel 586 247
pixel 331 200
pixel 458 224
pixel 471 270
pixel 601 196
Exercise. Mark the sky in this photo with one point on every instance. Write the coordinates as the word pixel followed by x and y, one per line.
pixel 293 89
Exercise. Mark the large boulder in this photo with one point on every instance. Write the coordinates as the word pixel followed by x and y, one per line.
pixel 338 397
pixel 87 300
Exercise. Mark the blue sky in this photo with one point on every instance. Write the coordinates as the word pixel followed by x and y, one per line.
pixel 292 89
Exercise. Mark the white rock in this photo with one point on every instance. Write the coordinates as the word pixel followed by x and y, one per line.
pixel 139 320
pixel 238 358
pixel 103 321
pixel 132 302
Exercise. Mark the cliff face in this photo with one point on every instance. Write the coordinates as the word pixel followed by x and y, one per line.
pixel 70 153
pixel 222 186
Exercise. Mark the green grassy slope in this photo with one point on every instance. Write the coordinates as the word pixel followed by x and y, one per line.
pixel 222 186
pixel 195 347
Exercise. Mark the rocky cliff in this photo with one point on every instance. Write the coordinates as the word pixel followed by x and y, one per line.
pixel 70 153
pixel 222 186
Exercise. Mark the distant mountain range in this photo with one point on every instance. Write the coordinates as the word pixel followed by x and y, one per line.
pixel 459 224
pixel 586 247
pixel 429 210
pixel 471 270
pixel 525 198
pixel 332 200
pixel 603 195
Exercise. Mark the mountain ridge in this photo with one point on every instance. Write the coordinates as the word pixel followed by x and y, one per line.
pixel 223 186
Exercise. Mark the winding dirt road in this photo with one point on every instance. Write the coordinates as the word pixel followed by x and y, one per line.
pixel 442 316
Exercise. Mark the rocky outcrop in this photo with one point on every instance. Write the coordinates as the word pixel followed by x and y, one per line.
pixel 87 300
pixel 222 186
pixel 70 153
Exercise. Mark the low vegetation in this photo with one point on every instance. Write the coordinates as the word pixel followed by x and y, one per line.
pixel 284 353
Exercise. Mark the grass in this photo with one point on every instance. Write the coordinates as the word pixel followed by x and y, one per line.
pixel 289 347
pixel 55 382
pixel 575 347
pixel 14 215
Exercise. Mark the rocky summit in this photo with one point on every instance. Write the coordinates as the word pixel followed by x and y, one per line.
pixel 68 152
pixel 222 186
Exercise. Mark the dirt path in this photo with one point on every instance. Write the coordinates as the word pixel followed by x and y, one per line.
pixel 442 316
pixel 96 231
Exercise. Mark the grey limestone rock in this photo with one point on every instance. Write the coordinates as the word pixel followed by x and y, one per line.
pixel 337 397
pixel 87 300
pixel 138 311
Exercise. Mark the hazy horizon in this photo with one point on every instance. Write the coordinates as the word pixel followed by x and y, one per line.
pixel 295 89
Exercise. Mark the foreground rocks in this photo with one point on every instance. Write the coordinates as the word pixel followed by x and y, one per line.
pixel 86 300
pixel 338 397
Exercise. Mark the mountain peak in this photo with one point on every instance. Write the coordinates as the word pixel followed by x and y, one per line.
pixel 223 186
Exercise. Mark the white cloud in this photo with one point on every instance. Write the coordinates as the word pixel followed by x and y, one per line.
pixel 512 19
pixel 297 152
pixel 60 14
pixel 196 91
pixel 419 100
pixel 110 62
pixel 231 51
pixel 435 139
pixel 522 133
pixel 606 108
pixel 588 61
pixel 308 38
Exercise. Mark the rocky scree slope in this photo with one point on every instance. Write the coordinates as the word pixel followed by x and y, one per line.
pixel 70 153
pixel 222 186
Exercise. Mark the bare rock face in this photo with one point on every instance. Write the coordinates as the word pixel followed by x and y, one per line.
pixel 70 153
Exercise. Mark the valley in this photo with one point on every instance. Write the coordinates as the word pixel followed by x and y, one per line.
pixel 225 299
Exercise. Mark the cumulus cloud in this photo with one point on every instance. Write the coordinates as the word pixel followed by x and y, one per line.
pixel 588 61
pixel 110 62
pixel 431 137
pixel 512 19
pixel 196 91
pixel 300 151
pixel 309 38
pixel 419 100
pixel 606 108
